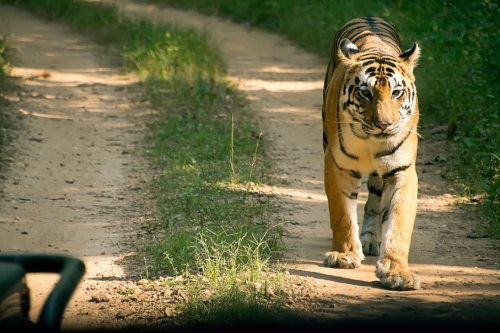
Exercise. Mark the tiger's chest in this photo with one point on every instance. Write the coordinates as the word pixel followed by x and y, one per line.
pixel 369 154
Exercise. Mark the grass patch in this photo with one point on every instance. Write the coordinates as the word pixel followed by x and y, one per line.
pixel 456 78
pixel 236 285
pixel 215 229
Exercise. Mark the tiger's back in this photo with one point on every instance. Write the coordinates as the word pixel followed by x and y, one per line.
pixel 370 116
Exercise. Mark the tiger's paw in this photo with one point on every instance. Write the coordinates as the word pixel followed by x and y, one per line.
pixel 397 280
pixel 371 248
pixel 347 260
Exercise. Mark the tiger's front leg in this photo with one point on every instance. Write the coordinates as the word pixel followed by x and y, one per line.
pixel 342 188
pixel 398 209
pixel 371 232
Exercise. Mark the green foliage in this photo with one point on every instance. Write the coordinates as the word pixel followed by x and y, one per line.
pixel 237 284
pixel 221 253
pixel 458 73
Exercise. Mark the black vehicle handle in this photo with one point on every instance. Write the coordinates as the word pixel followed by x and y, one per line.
pixel 71 271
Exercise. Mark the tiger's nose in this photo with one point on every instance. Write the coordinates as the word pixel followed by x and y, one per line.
pixel 381 125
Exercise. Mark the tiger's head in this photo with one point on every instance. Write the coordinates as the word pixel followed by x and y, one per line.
pixel 378 96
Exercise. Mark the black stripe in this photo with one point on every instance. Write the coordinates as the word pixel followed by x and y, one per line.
pixel 373 190
pixel 342 147
pixel 394 171
pixel 355 174
pixel 385 215
pixel 352 196
pixel 356 134
pixel 350 90
pixel 381 135
pixel 362 35
pixel 359 28
pixel 336 164
pixel 349 25
pixel 381 61
pixel 325 141
pixel 341 139
pixel 374 21
pixel 346 108
pixel 371 20
pixel 397 46
pixel 385 211
pixel 370 70
pixel 373 57
pixel 386 27
pixel 346 105
pixel 385 36
pixel 393 149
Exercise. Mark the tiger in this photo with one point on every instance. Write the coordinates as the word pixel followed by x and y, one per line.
pixel 370 117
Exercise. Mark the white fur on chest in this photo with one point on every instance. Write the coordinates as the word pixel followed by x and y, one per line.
pixel 366 151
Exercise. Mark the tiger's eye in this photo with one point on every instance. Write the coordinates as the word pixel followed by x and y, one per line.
pixel 365 93
pixel 397 93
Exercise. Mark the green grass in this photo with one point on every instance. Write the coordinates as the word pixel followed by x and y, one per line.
pixel 457 77
pixel 236 284
pixel 206 153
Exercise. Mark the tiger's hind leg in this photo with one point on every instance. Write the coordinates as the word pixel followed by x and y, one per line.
pixel 371 232
pixel 342 188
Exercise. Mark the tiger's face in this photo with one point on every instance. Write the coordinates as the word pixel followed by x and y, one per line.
pixel 378 94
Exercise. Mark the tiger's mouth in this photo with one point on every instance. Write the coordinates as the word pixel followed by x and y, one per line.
pixel 378 133
pixel 383 135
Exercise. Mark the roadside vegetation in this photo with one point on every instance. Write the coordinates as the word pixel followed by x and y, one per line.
pixel 216 230
pixel 4 87
pixel 457 77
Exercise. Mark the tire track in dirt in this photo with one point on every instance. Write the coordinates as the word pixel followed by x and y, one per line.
pixel 66 186
pixel 460 275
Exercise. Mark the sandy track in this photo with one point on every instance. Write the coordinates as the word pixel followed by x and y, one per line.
pixel 65 190
pixel 67 184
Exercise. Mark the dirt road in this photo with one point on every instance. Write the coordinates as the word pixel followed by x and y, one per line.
pixel 67 185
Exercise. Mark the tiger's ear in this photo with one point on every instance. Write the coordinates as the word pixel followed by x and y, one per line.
pixel 346 51
pixel 410 57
